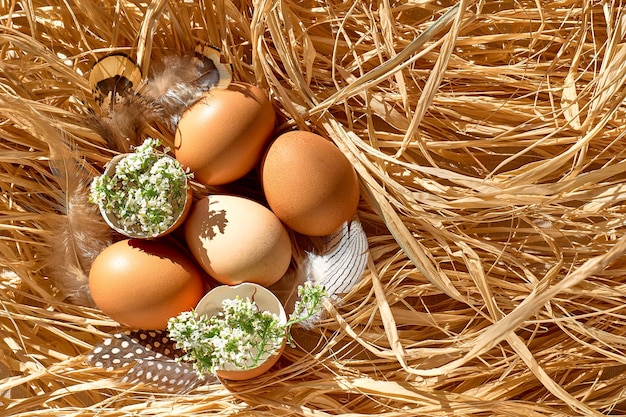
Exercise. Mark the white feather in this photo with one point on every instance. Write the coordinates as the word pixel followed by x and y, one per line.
pixel 337 263
pixel 340 264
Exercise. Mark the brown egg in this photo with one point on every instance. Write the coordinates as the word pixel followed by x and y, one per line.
pixel 309 184
pixel 142 283
pixel 238 240
pixel 222 137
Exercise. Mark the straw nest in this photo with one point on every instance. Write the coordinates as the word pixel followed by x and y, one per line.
pixel 489 142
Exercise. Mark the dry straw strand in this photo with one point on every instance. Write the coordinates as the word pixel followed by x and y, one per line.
pixel 488 138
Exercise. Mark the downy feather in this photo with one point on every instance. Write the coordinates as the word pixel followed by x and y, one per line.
pixel 122 124
pixel 178 81
pixel 122 114
pixel 128 103
pixel 76 232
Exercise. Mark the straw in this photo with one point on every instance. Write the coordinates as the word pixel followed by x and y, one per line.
pixel 489 142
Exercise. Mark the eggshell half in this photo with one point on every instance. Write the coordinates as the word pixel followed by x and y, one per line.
pixel 309 184
pixel 237 240
pixel 142 283
pixel 223 136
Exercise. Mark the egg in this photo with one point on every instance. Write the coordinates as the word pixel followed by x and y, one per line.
pixel 222 137
pixel 142 283
pixel 309 183
pixel 237 240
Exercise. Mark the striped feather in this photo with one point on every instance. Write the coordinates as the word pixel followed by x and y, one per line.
pixel 340 263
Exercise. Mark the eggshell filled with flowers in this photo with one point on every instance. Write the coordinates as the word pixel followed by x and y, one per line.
pixel 309 184
pixel 211 304
pixel 142 283
pixel 237 240
pixel 144 194
pixel 222 137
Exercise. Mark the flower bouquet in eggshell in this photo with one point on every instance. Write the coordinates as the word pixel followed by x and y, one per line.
pixel 238 332
pixel 144 194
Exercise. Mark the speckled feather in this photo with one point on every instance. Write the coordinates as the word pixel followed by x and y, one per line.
pixel 128 103
pixel 177 82
pixel 150 357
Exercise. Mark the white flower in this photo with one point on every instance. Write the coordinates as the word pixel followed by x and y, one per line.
pixel 147 192
pixel 239 335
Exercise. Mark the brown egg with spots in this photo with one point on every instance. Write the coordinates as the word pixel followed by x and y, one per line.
pixel 142 283
pixel 222 137
pixel 309 183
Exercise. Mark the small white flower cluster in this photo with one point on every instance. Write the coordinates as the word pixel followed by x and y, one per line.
pixel 147 192
pixel 239 336
pixel 307 308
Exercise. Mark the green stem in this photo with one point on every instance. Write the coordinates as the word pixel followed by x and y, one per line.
pixel 298 318
pixel 261 350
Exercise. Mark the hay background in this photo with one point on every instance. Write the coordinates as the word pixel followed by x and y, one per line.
pixel 491 165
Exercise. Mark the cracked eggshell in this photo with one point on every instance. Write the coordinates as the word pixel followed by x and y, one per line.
pixel 142 283
pixel 237 240
pixel 222 137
